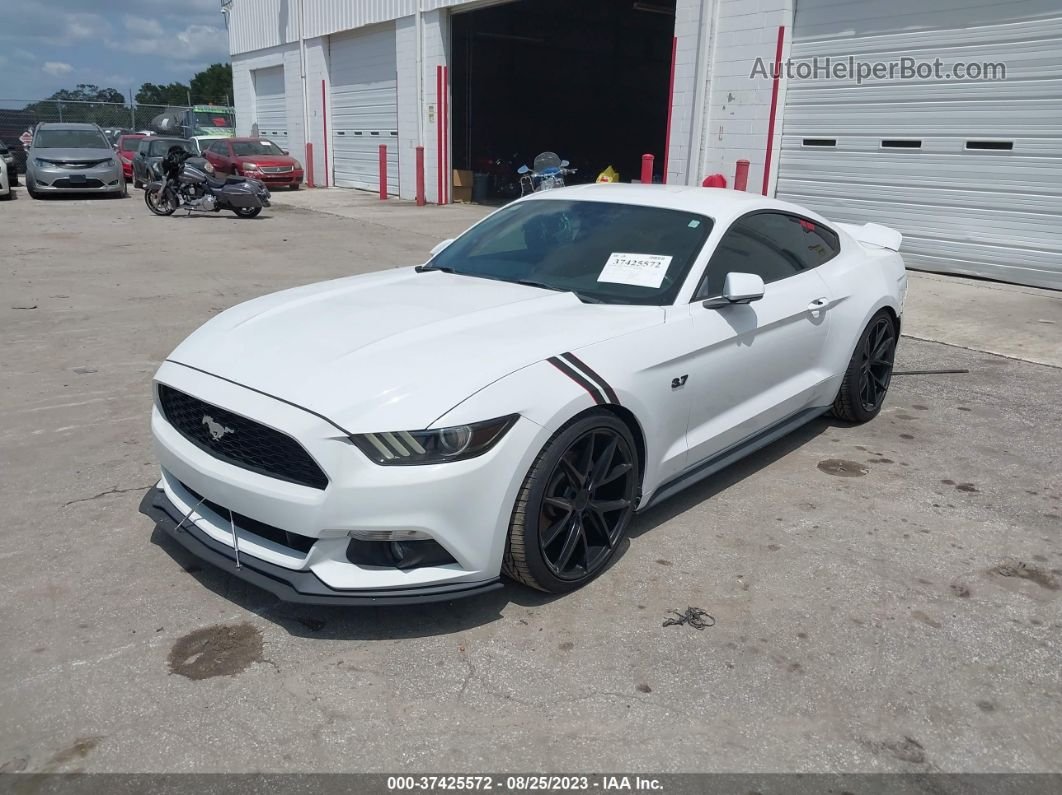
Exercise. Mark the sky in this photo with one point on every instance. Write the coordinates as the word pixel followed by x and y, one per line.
pixel 47 45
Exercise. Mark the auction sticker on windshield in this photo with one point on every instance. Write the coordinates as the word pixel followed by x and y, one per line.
pixel 637 270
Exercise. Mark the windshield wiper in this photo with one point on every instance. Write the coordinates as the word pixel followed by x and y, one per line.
pixel 440 268
pixel 586 299
pixel 543 285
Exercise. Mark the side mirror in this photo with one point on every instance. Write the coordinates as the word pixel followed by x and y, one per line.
pixel 564 164
pixel 522 170
pixel 739 288
pixel 285 152
pixel 440 246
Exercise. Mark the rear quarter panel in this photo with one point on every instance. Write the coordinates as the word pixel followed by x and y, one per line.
pixel 863 279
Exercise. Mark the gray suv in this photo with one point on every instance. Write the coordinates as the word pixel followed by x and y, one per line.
pixel 74 158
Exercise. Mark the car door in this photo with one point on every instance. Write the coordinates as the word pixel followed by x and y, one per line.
pixel 214 154
pixel 140 161
pixel 754 365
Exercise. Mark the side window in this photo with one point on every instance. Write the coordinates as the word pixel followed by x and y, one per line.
pixel 773 246
pixel 808 241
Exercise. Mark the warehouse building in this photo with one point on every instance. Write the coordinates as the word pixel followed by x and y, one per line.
pixel 968 165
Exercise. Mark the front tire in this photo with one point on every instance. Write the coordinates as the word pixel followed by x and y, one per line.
pixel 166 207
pixel 574 506
pixel 869 373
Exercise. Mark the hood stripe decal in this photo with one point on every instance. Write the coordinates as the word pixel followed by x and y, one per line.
pixel 604 385
pixel 578 378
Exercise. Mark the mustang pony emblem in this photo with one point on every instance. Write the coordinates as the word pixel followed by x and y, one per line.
pixel 217 430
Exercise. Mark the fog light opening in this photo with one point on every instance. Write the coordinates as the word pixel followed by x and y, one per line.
pixel 398 554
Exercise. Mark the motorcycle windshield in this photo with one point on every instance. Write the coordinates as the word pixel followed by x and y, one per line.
pixel 547 163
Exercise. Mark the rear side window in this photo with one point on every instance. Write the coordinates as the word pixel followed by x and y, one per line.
pixel 773 246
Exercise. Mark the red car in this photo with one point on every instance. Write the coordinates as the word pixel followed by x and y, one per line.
pixel 254 157
pixel 126 147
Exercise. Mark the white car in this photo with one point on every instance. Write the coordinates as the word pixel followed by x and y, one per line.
pixel 5 182
pixel 575 357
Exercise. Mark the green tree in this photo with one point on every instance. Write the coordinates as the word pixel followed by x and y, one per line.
pixel 213 85
pixel 171 94
pixel 84 103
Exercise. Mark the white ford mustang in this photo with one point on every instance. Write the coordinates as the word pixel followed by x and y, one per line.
pixel 506 408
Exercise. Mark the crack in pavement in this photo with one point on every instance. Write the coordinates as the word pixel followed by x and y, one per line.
pixel 115 490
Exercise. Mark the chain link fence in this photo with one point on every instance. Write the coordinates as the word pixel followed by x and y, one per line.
pixel 20 116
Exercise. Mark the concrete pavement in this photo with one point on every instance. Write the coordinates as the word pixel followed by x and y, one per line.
pixel 903 620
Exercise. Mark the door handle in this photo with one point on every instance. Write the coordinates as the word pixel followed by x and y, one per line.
pixel 818 304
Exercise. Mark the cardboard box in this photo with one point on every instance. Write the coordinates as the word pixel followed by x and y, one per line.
pixel 462 187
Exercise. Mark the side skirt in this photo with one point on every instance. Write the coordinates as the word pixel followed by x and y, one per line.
pixel 732 454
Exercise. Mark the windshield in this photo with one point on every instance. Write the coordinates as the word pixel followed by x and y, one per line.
pixel 601 251
pixel 250 148
pixel 214 119
pixel 160 146
pixel 70 139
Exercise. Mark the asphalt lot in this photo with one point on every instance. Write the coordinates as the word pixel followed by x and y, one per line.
pixel 905 619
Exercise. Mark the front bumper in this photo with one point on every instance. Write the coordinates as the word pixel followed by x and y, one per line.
pixel 464 506
pixel 100 179
pixel 302 587
pixel 286 179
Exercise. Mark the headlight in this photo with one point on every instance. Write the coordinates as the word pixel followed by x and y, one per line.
pixel 40 163
pixel 250 166
pixel 406 448
pixel 297 166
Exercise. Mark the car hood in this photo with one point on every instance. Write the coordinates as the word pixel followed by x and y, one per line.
pixel 73 154
pixel 398 349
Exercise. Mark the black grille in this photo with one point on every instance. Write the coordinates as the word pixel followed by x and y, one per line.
pixel 243 443
pixel 283 537
pixel 66 182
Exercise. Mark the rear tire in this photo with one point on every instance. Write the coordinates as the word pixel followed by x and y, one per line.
pixel 869 373
pixel 574 506
pixel 247 212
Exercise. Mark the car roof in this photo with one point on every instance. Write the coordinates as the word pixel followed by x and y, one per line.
pixel 67 125
pixel 722 204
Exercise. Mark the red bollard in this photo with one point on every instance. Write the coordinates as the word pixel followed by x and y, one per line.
pixel 647 169
pixel 309 166
pixel 421 201
pixel 383 172
pixel 741 176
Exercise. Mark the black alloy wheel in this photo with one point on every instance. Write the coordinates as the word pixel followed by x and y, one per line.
pixel 879 350
pixel 869 373
pixel 575 505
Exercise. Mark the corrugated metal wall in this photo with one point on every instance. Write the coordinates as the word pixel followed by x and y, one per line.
pixel 994 212
pixel 258 24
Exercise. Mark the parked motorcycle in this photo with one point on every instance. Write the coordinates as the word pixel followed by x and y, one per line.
pixel 548 172
pixel 186 180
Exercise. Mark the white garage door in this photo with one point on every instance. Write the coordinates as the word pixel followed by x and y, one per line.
pixel 364 107
pixel 969 170
pixel 270 105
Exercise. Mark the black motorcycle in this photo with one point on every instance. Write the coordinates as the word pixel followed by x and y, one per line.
pixel 185 180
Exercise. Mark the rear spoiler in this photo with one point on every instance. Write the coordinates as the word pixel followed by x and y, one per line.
pixel 874 235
